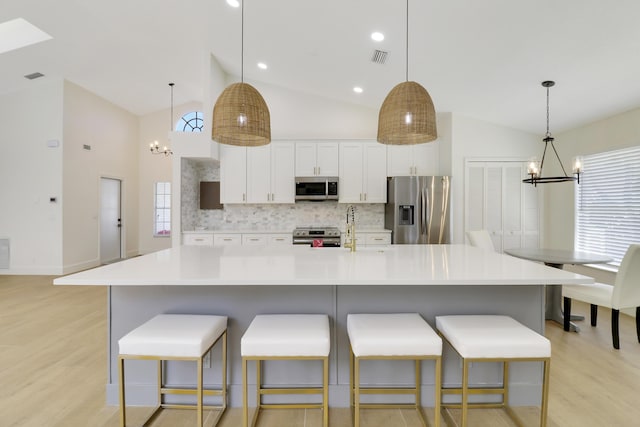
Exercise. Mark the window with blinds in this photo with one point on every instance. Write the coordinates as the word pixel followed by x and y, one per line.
pixel 162 209
pixel 608 203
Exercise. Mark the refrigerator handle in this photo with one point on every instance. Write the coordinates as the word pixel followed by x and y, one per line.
pixel 425 209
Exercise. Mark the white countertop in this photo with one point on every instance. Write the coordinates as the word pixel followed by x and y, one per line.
pixel 303 265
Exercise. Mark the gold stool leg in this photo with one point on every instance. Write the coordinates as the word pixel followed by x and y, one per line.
pixel 123 409
pixel 545 393
pixel 245 404
pixel 325 390
pixel 224 369
pixel 258 386
pixel 356 392
pixel 438 392
pixel 465 392
pixel 505 383
pixel 199 395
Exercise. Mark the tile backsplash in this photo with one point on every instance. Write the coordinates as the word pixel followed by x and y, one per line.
pixel 281 217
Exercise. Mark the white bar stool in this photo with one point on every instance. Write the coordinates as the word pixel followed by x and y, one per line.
pixel 402 336
pixel 286 337
pixel 176 337
pixel 485 338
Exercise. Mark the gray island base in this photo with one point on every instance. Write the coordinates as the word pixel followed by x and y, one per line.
pixel 245 281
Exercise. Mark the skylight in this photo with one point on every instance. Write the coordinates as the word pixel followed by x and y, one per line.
pixel 19 33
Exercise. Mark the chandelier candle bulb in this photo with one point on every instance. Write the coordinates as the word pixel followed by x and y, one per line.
pixel 577 165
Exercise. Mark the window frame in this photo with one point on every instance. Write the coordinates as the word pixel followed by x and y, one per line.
pixel 162 209
pixel 613 221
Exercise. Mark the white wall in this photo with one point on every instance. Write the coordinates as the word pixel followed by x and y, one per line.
pixel 472 138
pixel 157 168
pixel 30 174
pixel 112 134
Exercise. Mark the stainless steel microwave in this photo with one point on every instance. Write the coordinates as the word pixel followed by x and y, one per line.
pixel 316 188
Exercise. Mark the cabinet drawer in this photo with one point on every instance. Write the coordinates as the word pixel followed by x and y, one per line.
pixel 198 239
pixel 280 239
pixel 255 239
pixel 227 239
pixel 377 239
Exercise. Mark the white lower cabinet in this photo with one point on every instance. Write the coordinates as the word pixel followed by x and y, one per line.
pixel 281 239
pixel 236 239
pixel 227 239
pixel 370 238
pixel 199 239
pixel 377 239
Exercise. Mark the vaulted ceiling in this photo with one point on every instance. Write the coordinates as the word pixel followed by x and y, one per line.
pixel 483 59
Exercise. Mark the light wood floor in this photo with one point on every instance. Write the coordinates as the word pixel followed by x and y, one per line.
pixel 53 370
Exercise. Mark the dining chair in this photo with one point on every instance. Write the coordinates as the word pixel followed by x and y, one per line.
pixel 625 293
pixel 480 239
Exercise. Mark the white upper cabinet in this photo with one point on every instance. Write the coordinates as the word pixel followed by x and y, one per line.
pixel 316 159
pixel 283 184
pixel 362 172
pixel 418 159
pixel 233 174
pixel 257 174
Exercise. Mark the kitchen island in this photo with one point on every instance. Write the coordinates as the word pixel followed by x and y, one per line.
pixel 240 282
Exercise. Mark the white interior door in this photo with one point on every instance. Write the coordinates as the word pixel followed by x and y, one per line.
pixel 110 220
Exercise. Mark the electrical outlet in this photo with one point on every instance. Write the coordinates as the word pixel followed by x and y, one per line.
pixel 206 362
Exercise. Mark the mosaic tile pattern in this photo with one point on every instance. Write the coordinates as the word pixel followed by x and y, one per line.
pixel 280 217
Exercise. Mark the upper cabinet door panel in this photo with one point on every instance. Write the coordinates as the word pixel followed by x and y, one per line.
pixel 233 174
pixel 282 172
pixel 327 159
pixel 259 174
pixel 306 158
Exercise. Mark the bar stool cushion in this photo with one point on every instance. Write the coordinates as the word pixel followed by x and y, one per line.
pixel 174 335
pixel 488 336
pixel 276 335
pixel 393 334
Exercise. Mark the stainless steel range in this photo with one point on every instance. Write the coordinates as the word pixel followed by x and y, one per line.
pixel 317 236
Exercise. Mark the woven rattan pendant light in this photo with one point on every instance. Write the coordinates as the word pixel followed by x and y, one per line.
pixel 407 115
pixel 240 115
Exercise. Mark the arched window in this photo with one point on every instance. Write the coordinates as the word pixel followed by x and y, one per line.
pixel 190 122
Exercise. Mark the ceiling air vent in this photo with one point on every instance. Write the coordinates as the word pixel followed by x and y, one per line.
pixel 33 76
pixel 379 56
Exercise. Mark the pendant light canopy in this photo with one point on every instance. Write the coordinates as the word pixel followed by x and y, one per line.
pixel 534 169
pixel 407 115
pixel 241 116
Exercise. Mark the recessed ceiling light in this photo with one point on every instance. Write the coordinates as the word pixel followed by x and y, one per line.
pixel 233 3
pixel 262 65
pixel 19 33
pixel 357 89
pixel 377 36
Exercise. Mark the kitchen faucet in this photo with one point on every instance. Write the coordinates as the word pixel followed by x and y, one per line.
pixel 351 229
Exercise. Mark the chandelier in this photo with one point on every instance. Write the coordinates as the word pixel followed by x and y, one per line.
pixel 155 145
pixel 534 169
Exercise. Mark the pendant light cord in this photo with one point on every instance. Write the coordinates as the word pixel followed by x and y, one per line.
pixel 548 134
pixel 242 43
pixel 407 46
pixel 171 118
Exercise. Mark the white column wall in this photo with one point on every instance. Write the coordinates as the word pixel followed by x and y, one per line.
pixel 31 173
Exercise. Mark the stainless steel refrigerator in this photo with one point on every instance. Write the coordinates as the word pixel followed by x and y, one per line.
pixel 417 210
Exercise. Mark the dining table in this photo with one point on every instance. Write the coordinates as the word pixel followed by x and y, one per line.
pixel 558 258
